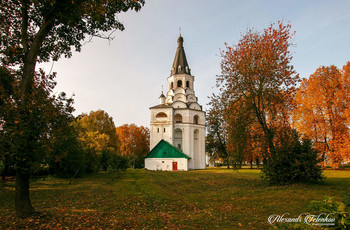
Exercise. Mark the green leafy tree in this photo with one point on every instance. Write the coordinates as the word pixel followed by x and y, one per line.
pixel 67 158
pixel 96 133
pixel 105 154
pixel 216 140
pixel 117 163
pixel 45 113
pixel 6 113
pixel 39 31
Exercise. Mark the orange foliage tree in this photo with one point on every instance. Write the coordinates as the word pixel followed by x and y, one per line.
pixel 257 71
pixel 134 143
pixel 346 80
pixel 256 85
pixel 322 112
pixel 238 120
pixel 255 145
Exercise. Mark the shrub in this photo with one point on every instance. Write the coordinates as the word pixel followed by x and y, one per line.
pixel 338 210
pixel 67 158
pixel 105 155
pixel 117 163
pixel 293 161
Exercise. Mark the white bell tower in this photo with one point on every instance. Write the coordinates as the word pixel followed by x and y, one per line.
pixel 179 118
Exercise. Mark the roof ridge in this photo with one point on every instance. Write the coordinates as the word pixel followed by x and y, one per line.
pixel 153 154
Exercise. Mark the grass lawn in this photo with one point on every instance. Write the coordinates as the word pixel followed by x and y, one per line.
pixel 207 199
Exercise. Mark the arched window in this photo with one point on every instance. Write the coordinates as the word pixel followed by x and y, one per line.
pixel 179 68
pixel 178 138
pixel 195 119
pixel 179 83
pixel 186 69
pixel 171 85
pixel 161 114
pixel 187 84
pixel 178 118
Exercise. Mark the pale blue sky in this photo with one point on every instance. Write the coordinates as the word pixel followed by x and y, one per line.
pixel 124 76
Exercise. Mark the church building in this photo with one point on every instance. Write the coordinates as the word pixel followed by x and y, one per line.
pixel 177 127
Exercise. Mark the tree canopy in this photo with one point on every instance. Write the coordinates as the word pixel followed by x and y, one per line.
pixel 322 103
pixel 257 84
pixel 96 133
pixel 134 143
pixel 34 31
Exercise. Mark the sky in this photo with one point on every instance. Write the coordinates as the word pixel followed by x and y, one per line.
pixel 124 77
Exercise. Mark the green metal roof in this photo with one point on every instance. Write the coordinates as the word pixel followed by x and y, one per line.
pixel 166 150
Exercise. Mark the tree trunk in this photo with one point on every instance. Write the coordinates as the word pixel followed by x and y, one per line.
pixel 22 202
pixel 251 163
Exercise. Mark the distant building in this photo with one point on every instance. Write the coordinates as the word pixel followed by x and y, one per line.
pixel 177 128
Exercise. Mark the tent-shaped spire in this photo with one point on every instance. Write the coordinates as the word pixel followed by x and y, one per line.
pixel 180 65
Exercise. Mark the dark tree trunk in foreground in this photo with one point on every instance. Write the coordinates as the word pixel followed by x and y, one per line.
pixel 22 201
pixel 23 206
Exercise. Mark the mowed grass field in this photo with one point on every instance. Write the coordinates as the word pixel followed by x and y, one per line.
pixel 141 199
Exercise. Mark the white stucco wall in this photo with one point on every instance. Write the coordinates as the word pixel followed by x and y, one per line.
pixel 166 164
pixel 161 128
pixel 188 129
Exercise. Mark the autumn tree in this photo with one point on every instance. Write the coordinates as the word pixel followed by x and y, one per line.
pixel 322 102
pixel 255 145
pixel 239 121
pixel 233 136
pixel 346 82
pixel 40 31
pixel 134 143
pixel 257 72
pixel 96 133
